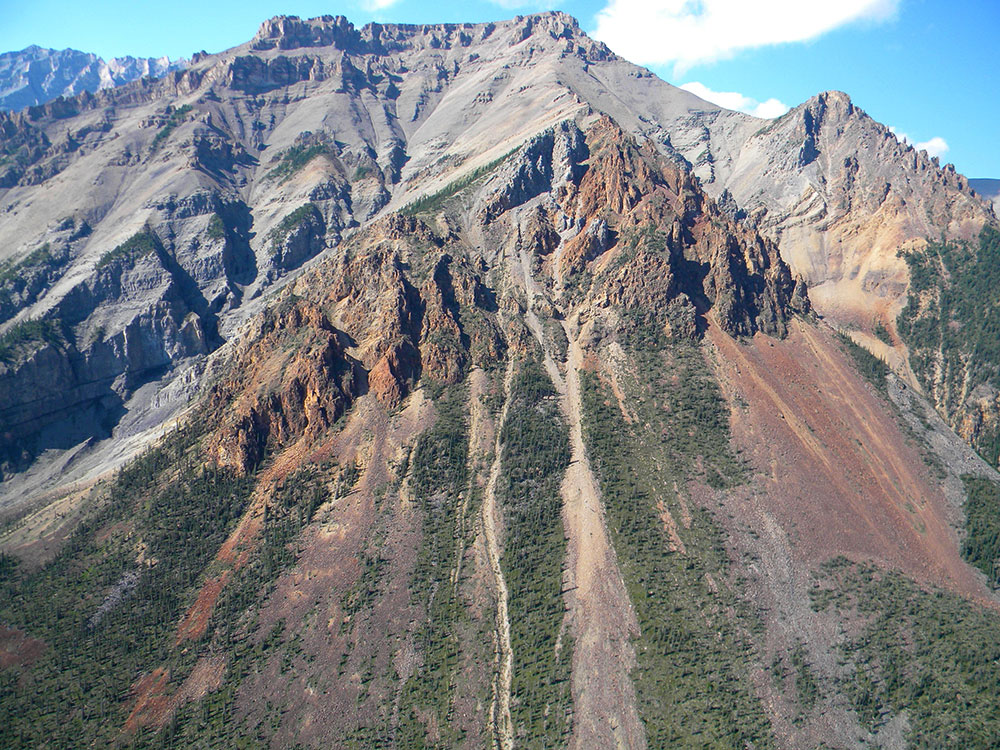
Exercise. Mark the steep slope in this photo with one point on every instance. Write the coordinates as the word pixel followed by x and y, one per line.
pixel 472 483
pixel 236 183
pixel 950 327
pixel 36 75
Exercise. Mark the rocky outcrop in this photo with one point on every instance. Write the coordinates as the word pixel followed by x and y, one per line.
pixel 22 144
pixel 988 189
pixel 291 32
pixel 405 328
pixel 257 76
pixel 459 327
pixel 357 324
pixel 133 318
pixel 273 395
pixel 532 171
pixel 650 242
pixel 298 237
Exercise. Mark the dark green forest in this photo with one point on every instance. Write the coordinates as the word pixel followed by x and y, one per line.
pixel 692 658
pixel 535 441
pixel 108 606
pixel 930 653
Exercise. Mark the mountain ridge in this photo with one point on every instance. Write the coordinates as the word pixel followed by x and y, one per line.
pixel 36 75
pixel 447 131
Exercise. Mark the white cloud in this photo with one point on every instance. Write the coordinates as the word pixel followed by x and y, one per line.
pixel 900 135
pixel 936 146
pixel 373 5
pixel 687 32
pixel 531 4
pixel 734 100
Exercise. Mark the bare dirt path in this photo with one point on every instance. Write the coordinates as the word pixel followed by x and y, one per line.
pixel 601 619
pixel 500 725
pixel 478 434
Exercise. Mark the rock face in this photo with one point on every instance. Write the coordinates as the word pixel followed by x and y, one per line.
pixel 685 247
pixel 36 75
pixel 841 195
pixel 317 384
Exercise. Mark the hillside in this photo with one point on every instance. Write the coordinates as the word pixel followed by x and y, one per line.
pixel 463 386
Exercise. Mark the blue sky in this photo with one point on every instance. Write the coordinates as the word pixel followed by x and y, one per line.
pixel 928 68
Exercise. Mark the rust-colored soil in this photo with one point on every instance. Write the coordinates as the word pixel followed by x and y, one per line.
pixel 196 618
pixel 152 704
pixel 235 551
pixel 154 707
pixel 321 703
pixel 17 648
pixel 837 472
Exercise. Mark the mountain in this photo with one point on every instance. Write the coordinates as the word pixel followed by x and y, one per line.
pixel 36 75
pixel 842 196
pixel 467 385
pixel 988 188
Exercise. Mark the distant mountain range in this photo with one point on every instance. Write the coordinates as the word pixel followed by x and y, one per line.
pixel 36 75
pixel 987 187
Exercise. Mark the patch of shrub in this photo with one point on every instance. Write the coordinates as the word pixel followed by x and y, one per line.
pixel 175 118
pixel 137 246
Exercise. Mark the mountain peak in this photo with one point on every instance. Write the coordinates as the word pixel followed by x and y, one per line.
pixel 291 32
pixel 37 75
pixel 835 104
pixel 833 96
